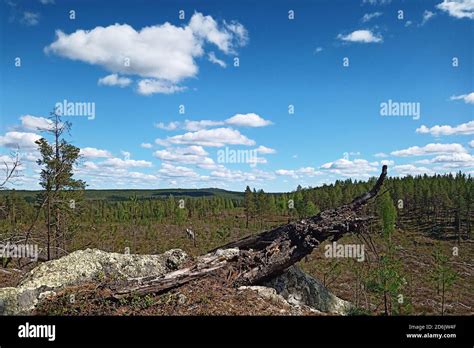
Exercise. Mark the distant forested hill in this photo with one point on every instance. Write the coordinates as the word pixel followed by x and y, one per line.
pixel 124 195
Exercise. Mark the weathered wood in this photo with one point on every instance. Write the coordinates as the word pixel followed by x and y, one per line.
pixel 260 257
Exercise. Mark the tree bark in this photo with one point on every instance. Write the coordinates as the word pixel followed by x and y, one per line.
pixel 257 258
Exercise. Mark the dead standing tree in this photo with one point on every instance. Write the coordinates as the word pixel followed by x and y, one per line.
pixel 260 257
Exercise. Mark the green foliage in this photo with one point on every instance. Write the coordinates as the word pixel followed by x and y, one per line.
pixel 442 275
pixel 386 279
pixel 387 213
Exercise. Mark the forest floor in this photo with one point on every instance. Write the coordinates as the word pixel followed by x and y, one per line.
pixel 341 276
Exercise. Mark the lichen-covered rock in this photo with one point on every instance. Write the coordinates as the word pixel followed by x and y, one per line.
pixel 299 288
pixel 271 295
pixel 80 267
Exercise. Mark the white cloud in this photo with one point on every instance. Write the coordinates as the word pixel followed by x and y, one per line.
pixel 471 143
pixel 381 155
pixel 468 98
pixel 152 86
pixel 213 59
pixel 125 163
pixel 286 172
pixel 355 168
pixel 238 120
pixel 368 16
pixel 318 49
pixel 30 18
pixel 462 129
pixel 458 8
pixel 36 123
pixel 210 137
pixel 363 36
pixel 427 15
pixel 453 160
pixel 430 149
pixel 193 126
pixel 146 145
pixel 114 80
pixel 107 175
pixel 23 140
pixel 170 171
pixel 387 163
pixel 248 120
pixel 410 169
pixel 92 152
pixel 265 150
pixel 226 174
pixel 163 55
pixel 187 155
pixel 170 126
pixel 298 173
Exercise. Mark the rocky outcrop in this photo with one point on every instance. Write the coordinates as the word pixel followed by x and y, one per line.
pixel 301 292
pixel 80 267
pixel 294 288
pixel 300 289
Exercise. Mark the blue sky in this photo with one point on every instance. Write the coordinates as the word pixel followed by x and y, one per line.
pixel 137 62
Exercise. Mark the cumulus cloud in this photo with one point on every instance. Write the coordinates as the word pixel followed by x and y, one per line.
pixel 381 155
pixel 193 126
pixel 298 173
pixel 92 152
pixel 248 120
pixel 226 174
pixel 471 143
pixel 171 171
pixel 462 129
pixel 410 169
pixel 362 36
pixel 36 122
pixel 146 145
pixel 468 98
pixel 162 55
pixel 458 8
pixel 210 137
pixel 238 120
pixel 152 86
pixel 355 168
pixel 430 149
pixel 22 140
pixel 114 80
pixel 187 155
pixel 453 160
pixel 125 163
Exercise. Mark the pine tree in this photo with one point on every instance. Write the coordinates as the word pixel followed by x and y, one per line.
pixel 249 205
pixel 61 190
pixel 442 275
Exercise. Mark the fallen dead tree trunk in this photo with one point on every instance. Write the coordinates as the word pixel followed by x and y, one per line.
pixel 255 259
